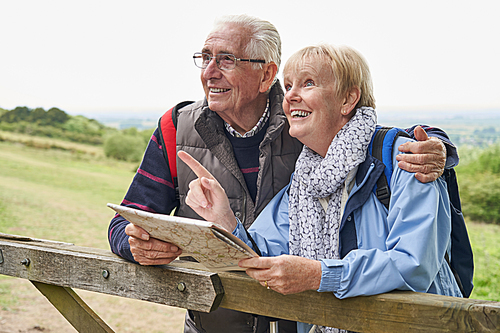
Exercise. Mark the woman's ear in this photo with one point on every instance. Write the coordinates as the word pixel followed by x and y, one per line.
pixel 351 100
pixel 270 71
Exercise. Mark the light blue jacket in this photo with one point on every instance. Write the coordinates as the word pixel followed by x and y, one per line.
pixel 402 248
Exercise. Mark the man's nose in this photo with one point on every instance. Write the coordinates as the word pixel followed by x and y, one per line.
pixel 212 70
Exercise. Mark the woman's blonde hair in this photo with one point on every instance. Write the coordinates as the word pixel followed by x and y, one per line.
pixel 349 69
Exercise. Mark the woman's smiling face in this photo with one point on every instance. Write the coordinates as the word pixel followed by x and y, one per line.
pixel 311 104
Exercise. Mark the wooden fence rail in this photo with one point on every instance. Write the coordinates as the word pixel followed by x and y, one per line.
pixel 54 268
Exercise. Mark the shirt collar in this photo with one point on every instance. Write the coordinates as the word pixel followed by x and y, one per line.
pixel 260 124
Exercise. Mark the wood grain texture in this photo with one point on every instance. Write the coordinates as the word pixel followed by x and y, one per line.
pixel 85 268
pixel 73 308
pixel 78 267
pixel 391 312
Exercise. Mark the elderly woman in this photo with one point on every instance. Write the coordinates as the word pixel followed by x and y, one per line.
pixel 327 231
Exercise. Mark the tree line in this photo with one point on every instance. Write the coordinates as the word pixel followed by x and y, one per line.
pixel 53 123
pixel 127 144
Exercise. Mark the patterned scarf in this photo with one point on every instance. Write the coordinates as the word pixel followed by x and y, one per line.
pixel 314 233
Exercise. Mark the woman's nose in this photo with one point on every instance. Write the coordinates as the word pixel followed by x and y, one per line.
pixel 292 95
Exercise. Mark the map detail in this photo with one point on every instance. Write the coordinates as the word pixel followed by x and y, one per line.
pixel 208 243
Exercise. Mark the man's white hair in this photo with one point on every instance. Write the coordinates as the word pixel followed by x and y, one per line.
pixel 265 41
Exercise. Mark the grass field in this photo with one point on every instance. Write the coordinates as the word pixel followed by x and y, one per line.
pixel 485 239
pixel 62 194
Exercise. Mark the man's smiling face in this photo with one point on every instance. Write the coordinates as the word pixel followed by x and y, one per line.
pixel 230 93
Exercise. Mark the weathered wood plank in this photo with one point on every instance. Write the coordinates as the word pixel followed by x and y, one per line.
pixel 101 271
pixel 73 308
pixel 391 312
pixel 78 267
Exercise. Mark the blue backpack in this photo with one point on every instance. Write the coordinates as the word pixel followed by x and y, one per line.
pixel 461 264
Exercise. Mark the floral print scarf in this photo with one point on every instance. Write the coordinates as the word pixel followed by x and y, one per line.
pixel 314 233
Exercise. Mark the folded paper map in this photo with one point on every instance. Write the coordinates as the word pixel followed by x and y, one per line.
pixel 208 243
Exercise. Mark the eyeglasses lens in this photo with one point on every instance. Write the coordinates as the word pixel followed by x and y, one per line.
pixel 224 61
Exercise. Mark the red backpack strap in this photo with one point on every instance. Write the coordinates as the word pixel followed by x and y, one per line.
pixel 168 131
pixel 167 136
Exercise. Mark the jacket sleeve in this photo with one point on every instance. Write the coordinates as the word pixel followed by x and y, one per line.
pixel 452 159
pixel 151 190
pixel 270 229
pixel 405 251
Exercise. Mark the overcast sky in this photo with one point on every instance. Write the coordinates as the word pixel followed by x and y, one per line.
pixel 128 57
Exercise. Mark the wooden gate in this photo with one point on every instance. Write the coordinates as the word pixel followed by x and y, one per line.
pixel 54 268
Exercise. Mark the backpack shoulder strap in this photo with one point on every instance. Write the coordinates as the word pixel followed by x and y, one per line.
pixel 461 263
pixel 167 126
pixel 381 148
pixel 462 258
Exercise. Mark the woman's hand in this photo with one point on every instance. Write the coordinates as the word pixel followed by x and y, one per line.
pixel 285 274
pixel 428 158
pixel 206 196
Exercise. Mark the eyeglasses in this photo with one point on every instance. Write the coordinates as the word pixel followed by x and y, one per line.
pixel 224 61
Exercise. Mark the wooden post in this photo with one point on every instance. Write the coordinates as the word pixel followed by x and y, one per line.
pixel 73 308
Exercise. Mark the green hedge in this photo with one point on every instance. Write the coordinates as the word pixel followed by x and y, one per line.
pixel 23 127
pixel 479 181
pixel 480 196
pixel 125 147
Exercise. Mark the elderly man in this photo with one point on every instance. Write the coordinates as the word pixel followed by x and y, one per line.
pixel 240 134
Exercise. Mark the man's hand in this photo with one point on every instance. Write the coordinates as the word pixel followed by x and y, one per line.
pixel 285 274
pixel 206 196
pixel 150 251
pixel 428 158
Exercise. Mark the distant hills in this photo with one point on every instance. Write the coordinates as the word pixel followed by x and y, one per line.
pixel 471 127
pixel 123 120
pixel 465 127
pixel 475 127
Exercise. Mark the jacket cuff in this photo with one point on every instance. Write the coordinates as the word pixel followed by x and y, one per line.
pixel 239 231
pixel 124 252
pixel 331 273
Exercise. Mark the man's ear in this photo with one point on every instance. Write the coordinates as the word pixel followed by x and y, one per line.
pixel 270 71
pixel 351 99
